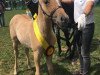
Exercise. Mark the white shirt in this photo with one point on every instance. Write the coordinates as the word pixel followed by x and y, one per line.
pixel 79 6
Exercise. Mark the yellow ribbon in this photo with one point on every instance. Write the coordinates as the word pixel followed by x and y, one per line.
pixel 49 49
pixel 35 16
pixel 40 38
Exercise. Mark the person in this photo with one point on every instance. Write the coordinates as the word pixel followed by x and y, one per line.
pixel 32 5
pixel 2 9
pixel 28 12
pixel 83 16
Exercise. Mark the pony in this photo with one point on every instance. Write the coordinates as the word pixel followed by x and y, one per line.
pixel 22 31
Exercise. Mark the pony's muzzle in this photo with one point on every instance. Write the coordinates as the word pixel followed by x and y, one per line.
pixel 63 23
pixel 61 19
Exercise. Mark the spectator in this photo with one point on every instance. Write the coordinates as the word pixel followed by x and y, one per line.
pixel 32 6
pixel 83 15
pixel 2 10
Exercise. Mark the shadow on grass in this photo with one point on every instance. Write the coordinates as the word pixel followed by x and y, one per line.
pixel 58 69
pixel 27 72
pixel 95 44
pixel 95 69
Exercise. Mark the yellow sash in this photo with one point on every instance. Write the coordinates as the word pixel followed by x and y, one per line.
pixel 49 49
pixel 40 38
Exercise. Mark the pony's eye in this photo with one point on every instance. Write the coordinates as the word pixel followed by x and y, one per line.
pixel 46 1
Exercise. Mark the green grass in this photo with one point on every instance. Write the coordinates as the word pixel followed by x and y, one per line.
pixel 61 68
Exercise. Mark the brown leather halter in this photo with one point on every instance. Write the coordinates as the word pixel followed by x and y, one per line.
pixel 52 12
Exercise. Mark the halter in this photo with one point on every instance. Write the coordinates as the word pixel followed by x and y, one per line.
pixel 51 14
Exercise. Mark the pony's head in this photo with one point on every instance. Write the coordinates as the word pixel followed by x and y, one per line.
pixel 53 10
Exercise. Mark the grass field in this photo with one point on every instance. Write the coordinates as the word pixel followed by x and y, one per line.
pixel 61 68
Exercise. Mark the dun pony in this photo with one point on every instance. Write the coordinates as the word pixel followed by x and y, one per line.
pixel 22 31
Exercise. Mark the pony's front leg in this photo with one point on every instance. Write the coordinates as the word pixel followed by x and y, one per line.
pixel 37 57
pixel 50 65
pixel 15 46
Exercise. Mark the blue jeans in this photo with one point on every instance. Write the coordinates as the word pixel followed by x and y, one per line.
pixel 86 36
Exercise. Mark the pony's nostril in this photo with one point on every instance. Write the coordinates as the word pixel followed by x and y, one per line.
pixel 62 18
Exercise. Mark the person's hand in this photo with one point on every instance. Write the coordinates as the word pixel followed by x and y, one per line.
pixel 81 22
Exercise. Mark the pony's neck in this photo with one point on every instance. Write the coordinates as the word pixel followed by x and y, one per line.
pixel 44 22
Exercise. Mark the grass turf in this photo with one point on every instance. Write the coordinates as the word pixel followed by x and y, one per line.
pixel 61 68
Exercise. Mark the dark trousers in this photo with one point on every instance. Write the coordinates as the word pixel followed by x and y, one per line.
pixel 2 20
pixel 86 36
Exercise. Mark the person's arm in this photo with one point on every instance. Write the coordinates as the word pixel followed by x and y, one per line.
pixel 67 1
pixel 82 19
pixel 88 7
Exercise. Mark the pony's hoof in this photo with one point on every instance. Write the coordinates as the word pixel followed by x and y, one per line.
pixel 15 73
pixel 37 73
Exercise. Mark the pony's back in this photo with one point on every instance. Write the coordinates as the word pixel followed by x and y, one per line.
pixel 20 24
